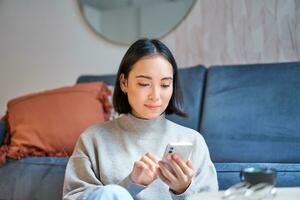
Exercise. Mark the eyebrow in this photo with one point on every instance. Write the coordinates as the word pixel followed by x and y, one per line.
pixel 148 77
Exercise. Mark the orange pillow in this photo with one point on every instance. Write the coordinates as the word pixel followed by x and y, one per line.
pixel 49 123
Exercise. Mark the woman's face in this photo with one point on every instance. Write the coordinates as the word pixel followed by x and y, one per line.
pixel 149 86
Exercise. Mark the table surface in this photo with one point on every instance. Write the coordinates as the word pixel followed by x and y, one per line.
pixel 287 193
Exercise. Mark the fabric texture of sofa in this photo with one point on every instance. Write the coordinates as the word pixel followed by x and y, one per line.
pixel 249 116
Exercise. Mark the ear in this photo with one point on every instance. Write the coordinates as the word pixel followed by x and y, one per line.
pixel 123 83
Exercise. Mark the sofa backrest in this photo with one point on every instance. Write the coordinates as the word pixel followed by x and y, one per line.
pixel 252 113
pixel 192 82
pixel 2 131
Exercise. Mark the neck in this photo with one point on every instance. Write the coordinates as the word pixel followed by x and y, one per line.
pixel 143 118
pixel 144 128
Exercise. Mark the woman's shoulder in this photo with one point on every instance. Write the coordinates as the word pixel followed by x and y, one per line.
pixel 99 129
pixel 175 125
pixel 184 131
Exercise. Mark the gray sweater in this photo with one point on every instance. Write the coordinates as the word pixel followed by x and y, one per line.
pixel 105 154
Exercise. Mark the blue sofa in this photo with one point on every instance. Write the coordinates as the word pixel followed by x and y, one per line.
pixel 249 116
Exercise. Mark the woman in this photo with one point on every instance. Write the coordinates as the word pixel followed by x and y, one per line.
pixel 121 159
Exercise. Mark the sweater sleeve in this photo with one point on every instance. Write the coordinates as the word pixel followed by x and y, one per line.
pixel 80 178
pixel 132 187
pixel 205 178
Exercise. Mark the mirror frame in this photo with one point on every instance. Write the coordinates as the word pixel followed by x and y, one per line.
pixel 80 8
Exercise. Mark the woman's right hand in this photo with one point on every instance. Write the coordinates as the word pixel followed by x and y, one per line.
pixel 145 171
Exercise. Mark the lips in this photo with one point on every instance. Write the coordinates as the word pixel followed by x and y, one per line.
pixel 153 107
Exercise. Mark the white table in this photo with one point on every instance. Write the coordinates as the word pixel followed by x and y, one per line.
pixel 288 193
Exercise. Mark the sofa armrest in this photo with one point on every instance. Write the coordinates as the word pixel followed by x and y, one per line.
pixel 2 131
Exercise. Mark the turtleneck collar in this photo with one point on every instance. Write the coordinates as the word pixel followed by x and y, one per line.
pixel 143 128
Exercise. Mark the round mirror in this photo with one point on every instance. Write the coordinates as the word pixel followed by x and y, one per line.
pixel 124 21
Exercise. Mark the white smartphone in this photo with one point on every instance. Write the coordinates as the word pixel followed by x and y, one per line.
pixel 183 149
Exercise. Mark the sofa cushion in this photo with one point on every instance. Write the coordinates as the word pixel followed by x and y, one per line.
pixel 252 113
pixel 33 178
pixel 109 80
pixel 192 82
pixel 49 123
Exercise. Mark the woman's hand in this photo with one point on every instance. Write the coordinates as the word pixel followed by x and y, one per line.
pixel 181 177
pixel 145 170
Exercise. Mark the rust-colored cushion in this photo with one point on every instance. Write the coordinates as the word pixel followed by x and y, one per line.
pixel 50 122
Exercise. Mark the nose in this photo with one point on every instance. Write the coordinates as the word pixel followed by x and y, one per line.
pixel 154 94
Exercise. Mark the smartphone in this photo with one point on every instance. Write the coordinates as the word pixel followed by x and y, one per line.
pixel 183 149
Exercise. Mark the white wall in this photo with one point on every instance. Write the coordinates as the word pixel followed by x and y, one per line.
pixel 46 44
pixel 238 32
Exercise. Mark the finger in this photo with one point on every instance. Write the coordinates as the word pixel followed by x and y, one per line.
pixel 176 168
pixel 151 164
pixel 141 173
pixel 145 168
pixel 167 174
pixel 163 178
pixel 141 165
pixel 189 164
pixel 183 165
pixel 154 158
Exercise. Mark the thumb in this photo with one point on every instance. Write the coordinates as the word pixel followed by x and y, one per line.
pixel 189 164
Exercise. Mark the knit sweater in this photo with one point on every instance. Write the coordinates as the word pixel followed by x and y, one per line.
pixel 105 154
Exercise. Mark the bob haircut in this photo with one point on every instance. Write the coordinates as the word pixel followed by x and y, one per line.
pixel 140 49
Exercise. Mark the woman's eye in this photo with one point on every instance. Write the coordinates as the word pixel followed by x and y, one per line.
pixel 143 84
pixel 165 86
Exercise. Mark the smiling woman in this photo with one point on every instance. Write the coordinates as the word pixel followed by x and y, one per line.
pixel 123 22
pixel 122 159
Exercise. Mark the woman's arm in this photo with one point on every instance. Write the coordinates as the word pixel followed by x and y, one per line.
pixel 80 178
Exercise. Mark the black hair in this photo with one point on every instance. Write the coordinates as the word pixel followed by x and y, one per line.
pixel 138 50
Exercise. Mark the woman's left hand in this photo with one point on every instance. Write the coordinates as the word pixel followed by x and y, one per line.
pixel 181 177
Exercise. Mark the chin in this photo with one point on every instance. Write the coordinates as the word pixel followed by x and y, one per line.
pixel 147 115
